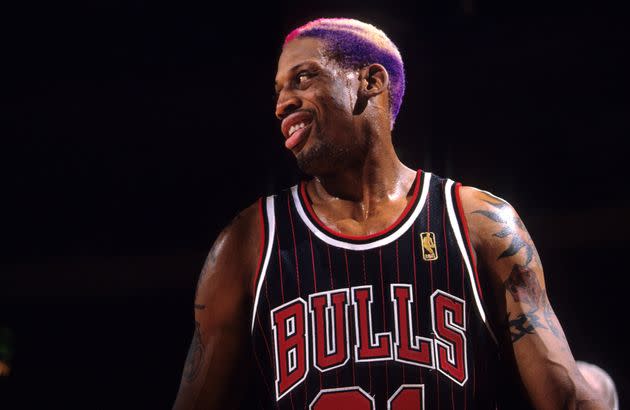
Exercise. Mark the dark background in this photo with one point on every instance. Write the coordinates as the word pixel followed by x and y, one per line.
pixel 132 132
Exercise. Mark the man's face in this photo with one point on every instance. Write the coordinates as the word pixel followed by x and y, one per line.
pixel 315 104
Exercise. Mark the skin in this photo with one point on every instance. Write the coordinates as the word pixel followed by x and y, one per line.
pixel 5 370
pixel 360 187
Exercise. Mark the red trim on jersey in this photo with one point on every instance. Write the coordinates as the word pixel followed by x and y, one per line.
pixel 460 210
pixel 394 225
pixel 262 246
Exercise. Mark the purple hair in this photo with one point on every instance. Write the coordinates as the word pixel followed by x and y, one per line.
pixel 354 44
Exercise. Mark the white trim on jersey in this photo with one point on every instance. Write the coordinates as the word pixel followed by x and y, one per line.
pixel 271 230
pixel 457 231
pixel 397 233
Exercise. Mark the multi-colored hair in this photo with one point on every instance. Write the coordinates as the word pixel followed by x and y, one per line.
pixel 354 44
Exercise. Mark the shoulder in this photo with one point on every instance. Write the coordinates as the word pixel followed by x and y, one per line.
pixel 233 256
pixel 490 218
pixel 497 232
pixel 484 210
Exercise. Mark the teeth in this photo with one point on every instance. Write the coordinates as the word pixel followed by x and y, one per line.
pixel 296 127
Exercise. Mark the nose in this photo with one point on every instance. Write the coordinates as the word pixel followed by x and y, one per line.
pixel 287 103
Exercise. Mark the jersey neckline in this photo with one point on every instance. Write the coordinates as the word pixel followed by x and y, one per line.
pixel 419 190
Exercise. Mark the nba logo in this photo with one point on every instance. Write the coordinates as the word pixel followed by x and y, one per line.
pixel 429 249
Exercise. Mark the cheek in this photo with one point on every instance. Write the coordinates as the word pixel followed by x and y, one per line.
pixel 338 102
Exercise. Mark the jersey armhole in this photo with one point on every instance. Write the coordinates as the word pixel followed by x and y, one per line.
pixel 459 227
pixel 263 244
pixel 469 248
pixel 266 214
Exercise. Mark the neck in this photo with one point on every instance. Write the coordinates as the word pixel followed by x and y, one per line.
pixel 380 177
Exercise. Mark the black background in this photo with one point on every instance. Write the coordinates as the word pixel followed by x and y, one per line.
pixel 132 132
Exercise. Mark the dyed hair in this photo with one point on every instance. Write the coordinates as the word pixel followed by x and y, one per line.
pixel 354 44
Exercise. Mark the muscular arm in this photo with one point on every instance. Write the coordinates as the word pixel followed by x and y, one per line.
pixel 506 252
pixel 211 378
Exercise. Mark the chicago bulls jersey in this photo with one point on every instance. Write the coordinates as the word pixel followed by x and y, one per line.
pixel 392 320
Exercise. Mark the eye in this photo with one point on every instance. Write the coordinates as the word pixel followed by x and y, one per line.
pixel 302 76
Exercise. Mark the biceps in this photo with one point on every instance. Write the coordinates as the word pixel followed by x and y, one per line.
pixel 527 305
pixel 211 371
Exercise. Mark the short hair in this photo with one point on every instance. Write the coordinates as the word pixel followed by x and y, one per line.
pixel 354 44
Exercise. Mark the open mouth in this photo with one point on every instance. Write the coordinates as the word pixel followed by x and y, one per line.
pixel 296 127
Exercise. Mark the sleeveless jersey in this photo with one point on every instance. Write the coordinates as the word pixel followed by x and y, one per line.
pixel 393 320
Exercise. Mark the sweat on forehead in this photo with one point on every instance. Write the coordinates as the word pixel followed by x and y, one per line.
pixel 354 44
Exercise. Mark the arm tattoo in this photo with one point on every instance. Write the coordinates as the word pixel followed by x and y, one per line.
pixel 512 225
pixel 522 284
pixel 525 288
pixel 195 356
pixel 521 325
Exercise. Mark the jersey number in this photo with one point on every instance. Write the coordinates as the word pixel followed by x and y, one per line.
pixel 407 397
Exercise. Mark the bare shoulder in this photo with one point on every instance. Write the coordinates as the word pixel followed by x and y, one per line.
pixel 483 212
pixel 233 256
pixel 496 230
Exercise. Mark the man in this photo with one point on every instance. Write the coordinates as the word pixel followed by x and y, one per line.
pixel 371 285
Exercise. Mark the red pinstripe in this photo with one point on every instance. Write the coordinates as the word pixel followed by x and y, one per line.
pixel 467 322
pixel 332 286
pixel 380 265
pixel 415 283
pixel 310 241
pixel 398 280
pixel 397 263
pixel 448 276
pixel 297 267
pixel 365 283
pixel 280 268
pixel 345 254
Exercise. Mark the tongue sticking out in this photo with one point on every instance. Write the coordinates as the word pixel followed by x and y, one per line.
pixel 296 137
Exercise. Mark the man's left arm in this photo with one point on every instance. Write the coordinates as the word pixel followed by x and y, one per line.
pixel 506 252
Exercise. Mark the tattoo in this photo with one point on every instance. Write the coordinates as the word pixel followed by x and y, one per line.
pixel 200 307
pixel 551 319
pixel 520 236
pixel 520 327
pixel 522 284
pixel 525 288
pixel 195 356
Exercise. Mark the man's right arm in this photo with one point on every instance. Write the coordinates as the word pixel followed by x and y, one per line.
pixel 211 378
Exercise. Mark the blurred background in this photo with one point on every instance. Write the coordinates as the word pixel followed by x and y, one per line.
pixel 132 132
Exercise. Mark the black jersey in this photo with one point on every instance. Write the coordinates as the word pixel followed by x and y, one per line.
pixel 392 320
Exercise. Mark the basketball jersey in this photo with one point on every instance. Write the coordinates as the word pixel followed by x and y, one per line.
pixel 392 320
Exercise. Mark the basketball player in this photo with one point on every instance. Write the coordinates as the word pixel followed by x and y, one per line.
pixel 371 285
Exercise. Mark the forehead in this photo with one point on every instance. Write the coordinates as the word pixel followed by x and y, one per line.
pixel 299 51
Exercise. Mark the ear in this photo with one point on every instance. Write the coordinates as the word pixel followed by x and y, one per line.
pixel 374 80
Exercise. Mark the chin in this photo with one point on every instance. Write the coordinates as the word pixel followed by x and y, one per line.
pixel 321 159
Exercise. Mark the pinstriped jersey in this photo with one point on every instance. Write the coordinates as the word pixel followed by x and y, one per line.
pixel 392 320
